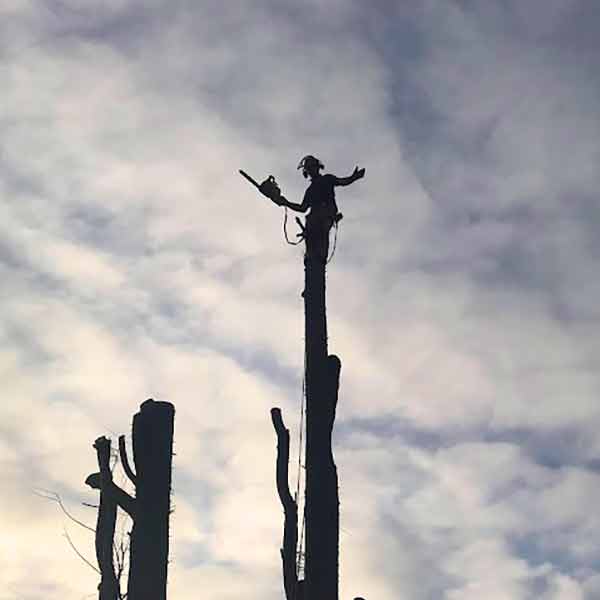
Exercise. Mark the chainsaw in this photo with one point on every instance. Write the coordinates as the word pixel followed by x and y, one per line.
pixel 268 187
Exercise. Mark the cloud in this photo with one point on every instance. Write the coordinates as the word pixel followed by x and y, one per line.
pixel 135 262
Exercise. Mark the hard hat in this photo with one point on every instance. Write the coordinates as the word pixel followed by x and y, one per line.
pixel 309 159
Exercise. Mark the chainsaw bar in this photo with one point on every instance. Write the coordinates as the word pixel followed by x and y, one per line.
pixel 252 181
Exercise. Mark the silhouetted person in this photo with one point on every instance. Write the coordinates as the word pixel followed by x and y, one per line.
pixel 319 197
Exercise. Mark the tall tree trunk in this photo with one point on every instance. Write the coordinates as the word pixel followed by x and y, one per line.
pixel 322 382
pixel 152 451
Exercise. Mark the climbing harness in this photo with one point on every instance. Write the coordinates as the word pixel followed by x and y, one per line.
pixel 302 234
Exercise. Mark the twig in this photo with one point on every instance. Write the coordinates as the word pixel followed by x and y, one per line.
pixel 83 558
pixel 54 497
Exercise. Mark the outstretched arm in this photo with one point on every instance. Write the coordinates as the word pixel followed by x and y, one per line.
pixel 303 207
pixel 271 190
pixel 356 174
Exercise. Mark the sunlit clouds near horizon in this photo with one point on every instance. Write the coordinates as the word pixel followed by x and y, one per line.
pixel 463 296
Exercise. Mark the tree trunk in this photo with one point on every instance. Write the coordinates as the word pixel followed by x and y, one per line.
pixel 291 584
pixel 322 382
pixel 105 525
pixel 152 451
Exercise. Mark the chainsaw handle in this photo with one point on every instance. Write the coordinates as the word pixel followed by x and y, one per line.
pixel 268 187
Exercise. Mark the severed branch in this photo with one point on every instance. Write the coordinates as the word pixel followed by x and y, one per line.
pixel 125 460
pixel 107 518
pixel 121 497
pixel 283 453
pixel 293 587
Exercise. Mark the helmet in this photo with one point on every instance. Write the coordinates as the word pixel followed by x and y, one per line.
pixel 310 160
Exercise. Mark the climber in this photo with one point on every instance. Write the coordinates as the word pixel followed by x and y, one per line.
pixel 319 197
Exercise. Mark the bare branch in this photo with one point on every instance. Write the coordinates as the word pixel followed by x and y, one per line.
pixel 54 497
pixel 83 558
pixel 120 549
pixel 125 460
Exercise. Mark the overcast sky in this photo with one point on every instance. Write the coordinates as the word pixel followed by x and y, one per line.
pixel 464 297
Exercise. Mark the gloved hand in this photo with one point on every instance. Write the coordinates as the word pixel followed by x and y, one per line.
pixel 358 173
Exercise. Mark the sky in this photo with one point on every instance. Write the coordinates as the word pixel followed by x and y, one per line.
pixel 463 297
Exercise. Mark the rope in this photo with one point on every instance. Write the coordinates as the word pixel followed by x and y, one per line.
pixel 302 403
pixel 336 225
pixel 301 236
pixel 301 432
pixel 285 233
pixel 300 546
pixel 299 474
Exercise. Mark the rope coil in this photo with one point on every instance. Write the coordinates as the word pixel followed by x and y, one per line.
pixel 301 235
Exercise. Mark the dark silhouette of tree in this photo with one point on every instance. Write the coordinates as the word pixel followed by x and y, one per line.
pixel 322 374
pixel 152 455
pixel 294 588
pixel 149 509
pixel 106 523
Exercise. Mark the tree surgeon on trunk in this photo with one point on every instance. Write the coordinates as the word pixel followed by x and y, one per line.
pixel 319 198
pixel 322 373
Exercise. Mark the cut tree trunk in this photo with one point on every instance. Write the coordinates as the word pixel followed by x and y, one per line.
pixel 293 587
pixel 322 383
pixel 152 452
pixel 105 525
